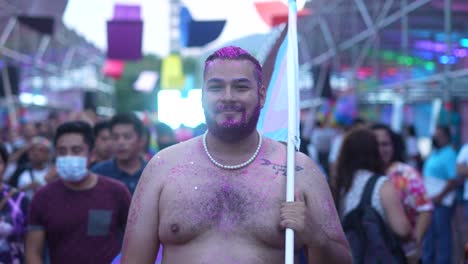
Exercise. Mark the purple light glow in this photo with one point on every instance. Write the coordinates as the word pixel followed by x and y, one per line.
pixel 440 47
pixel 460 53
pixel 430 45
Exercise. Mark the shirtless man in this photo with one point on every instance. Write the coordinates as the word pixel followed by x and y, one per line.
pixel 219 198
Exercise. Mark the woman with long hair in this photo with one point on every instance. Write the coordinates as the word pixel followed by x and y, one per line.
pixel 409 184
pixel 358 161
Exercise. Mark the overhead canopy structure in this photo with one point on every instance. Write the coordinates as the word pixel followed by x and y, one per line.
pixel 20 41
pixel 48 56
pixel 411 49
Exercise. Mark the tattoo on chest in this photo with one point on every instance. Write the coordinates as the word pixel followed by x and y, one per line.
pixel 279 169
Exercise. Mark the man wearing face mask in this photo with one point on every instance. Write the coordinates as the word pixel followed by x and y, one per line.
pixel 81 216
pixel 439 169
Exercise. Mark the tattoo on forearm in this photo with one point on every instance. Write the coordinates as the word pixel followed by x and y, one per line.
pixel 279 169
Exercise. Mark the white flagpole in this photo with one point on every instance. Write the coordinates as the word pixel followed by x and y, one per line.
pixel 293 137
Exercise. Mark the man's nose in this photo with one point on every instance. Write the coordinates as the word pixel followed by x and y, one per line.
pixel 228 93
pixel 119 140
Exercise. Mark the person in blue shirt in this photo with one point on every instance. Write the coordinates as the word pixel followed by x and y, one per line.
pixel 127 132
pixel 438 170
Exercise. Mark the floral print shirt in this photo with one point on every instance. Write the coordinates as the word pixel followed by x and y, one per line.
pixel 410 185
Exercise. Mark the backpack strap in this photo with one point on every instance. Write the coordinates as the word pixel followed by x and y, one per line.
pixel 368 189
pixel 31 174
pixel 7 197
pixel 16 205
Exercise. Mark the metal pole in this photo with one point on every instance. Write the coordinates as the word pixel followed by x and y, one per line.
pixel 368 44
pixel 364 13
pixel 354 50
pixel 404 46
pixel 7 31
pixel 9 98
pixel 45 40
pixel 427 79
pixel 174 26
pixel 68 58
pixel 448 31
pixel 404 36
pixel 448 39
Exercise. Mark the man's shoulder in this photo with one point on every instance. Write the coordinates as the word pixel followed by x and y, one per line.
pixel 304 164
pixel 308 172
pixel 103 165
pixel 160 164
pixel 109 183
pixel 175 151
pixel 50 190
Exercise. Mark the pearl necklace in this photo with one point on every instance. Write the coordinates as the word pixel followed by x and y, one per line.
pixel 232 167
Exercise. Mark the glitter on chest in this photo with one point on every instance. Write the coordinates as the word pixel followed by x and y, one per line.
pixel 226 202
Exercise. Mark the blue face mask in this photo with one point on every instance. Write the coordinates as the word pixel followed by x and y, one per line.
pixel 71 168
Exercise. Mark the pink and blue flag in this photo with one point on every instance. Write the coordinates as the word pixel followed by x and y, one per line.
pixel 273 120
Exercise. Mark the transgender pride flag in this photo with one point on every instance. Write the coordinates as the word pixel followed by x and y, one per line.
pixel 273 121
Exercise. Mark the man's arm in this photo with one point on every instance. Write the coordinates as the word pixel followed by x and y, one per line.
pixel 462 170
pixel 453 183
pixel 141 241
pixel 34 246
pixel 125 198
pixel 330 244
pixel 462 158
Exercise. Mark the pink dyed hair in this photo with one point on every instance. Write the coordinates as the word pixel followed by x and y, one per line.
pixel 236 53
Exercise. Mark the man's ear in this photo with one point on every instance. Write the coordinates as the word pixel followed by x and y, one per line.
pixel 203 98
pixel 262 94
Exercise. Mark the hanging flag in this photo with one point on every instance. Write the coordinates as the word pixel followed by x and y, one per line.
pixel 172 73
pixel 113 68
pixel 273 120
pixel 275 12
pixel 146 81
pixel 279 118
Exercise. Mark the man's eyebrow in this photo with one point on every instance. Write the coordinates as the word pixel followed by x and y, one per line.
pixel 215 80
pixel 238 80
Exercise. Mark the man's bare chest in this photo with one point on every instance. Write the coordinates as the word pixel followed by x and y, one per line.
pixel 224 202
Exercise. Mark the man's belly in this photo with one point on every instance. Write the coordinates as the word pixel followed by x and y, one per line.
pixel 221 250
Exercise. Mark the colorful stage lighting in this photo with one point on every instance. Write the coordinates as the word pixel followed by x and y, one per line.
pixel 464 42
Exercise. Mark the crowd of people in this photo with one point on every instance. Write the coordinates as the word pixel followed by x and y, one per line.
pixel 430 215
pixel 54 175
pixel 82 190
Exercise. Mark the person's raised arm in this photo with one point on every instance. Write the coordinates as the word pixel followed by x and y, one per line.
pixel 34 246
pixel 141 241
